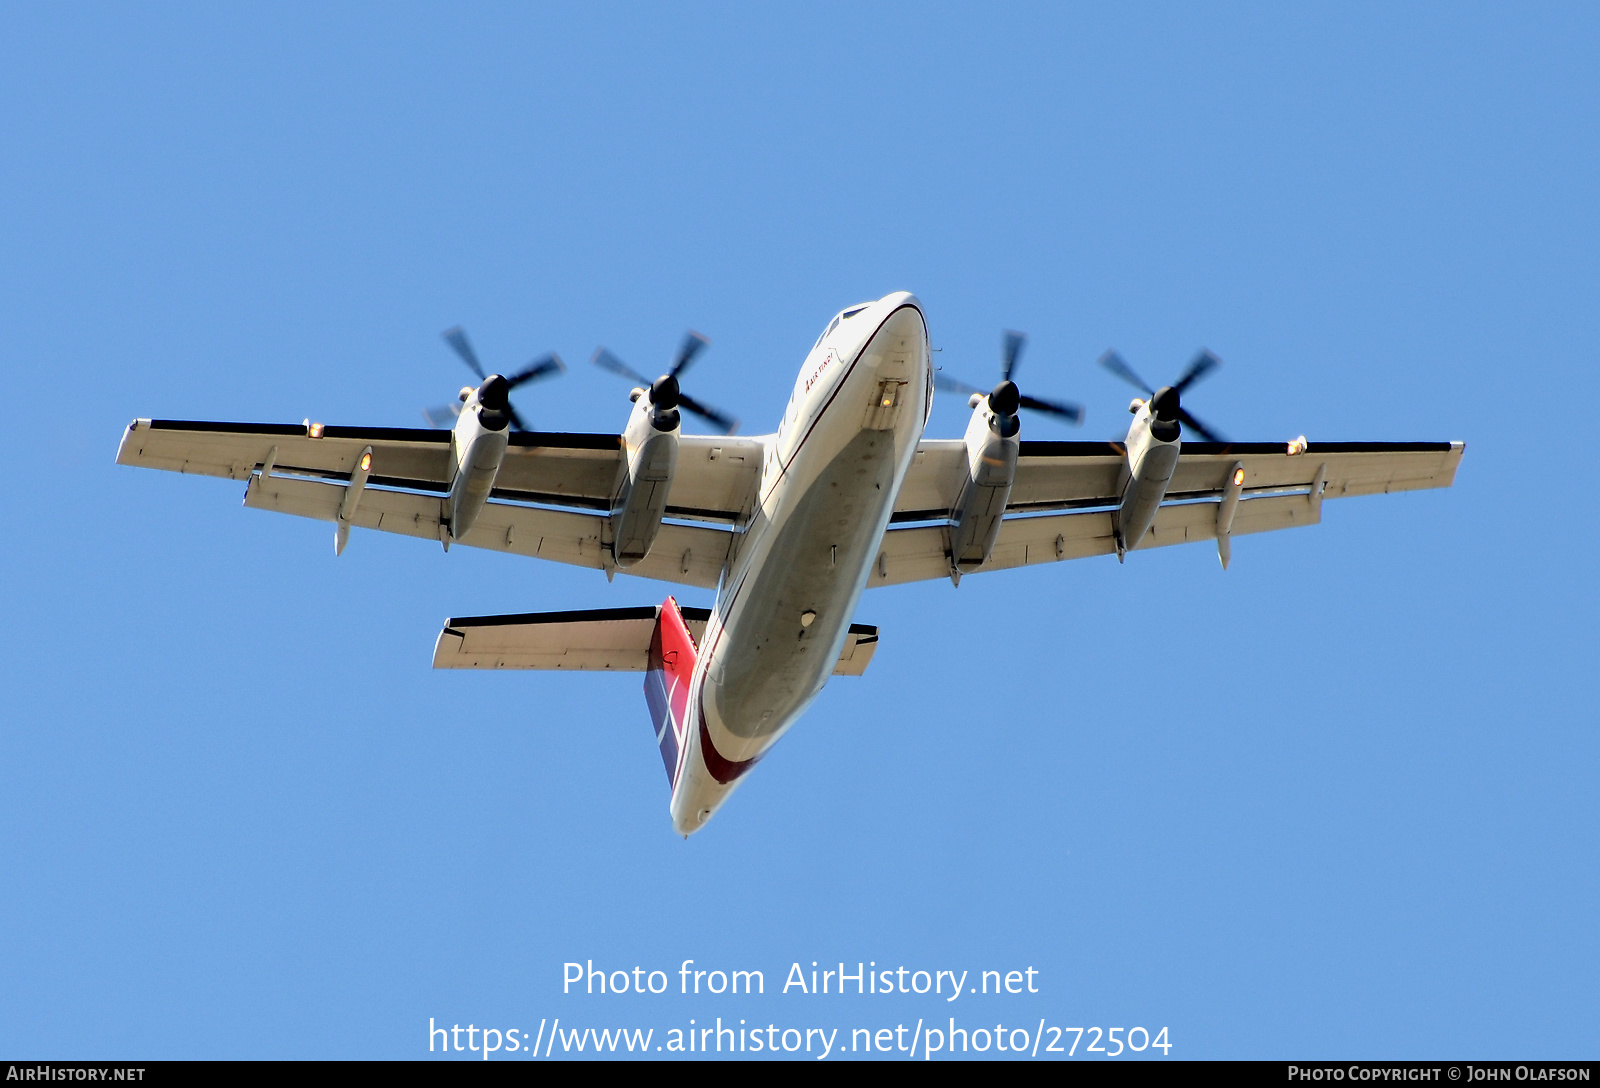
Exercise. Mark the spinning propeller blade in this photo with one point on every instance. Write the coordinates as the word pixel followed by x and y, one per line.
pixel 1115 363
pixel 442 416
pixel 665 389
pixel 457 338
pixel 693 344
pixel 1167 401
pixel 720 419
pixel 956 385
pixel 542 367
pixel 603 359
pixel 1006 398
pixel 1203 362
pixel 1072 412
pixel 494 386
pixel 1010 348
pixel 1200 428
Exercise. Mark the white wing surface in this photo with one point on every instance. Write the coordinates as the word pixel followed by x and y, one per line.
pixel 1062 501
pixel 547 489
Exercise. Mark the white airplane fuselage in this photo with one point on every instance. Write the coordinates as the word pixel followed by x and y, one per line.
pixel 828 485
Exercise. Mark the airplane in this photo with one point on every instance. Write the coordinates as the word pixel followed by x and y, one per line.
pixel 789 528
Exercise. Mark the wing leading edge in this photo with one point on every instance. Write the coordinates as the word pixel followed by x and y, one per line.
pixel 717 474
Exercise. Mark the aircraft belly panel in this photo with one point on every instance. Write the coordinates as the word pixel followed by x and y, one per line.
pixel 770 662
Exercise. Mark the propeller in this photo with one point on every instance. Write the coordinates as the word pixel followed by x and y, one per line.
pixel 1166 403
pixel 665 392
pixel 1006 398
pixel 495 391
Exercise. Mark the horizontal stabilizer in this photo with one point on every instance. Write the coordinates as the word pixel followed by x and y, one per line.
pixel 595 640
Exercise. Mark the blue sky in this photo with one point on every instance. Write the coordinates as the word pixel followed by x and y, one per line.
pixel 1338 801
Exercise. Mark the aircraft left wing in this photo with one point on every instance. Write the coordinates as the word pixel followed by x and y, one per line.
pixel 303 469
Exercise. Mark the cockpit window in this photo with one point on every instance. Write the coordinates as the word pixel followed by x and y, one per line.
pixel 843 315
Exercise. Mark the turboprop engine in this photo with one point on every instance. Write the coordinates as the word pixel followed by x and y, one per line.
pixel 649 459
pixel 478 444
pixel 992 447
pixel 650 449
pixel 1154 441
pixel 484 420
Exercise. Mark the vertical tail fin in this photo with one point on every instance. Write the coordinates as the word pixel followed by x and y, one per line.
pixel 666 684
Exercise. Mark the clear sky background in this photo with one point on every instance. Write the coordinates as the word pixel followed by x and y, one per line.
pixel 1338 801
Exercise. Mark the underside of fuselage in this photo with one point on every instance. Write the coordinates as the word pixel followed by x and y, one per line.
pixel 792 613
pixel 785 607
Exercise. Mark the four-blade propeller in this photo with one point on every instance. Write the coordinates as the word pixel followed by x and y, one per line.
pixel 495 392
pixel 1166 403
pixel 1006 398
pixel 665 391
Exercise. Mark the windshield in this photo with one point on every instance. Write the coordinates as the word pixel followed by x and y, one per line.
pixel 842 315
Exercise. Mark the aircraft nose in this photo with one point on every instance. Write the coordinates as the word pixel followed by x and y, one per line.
pixel 902 332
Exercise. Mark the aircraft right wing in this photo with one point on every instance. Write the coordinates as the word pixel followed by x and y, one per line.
pixel 1083 475
pixel 1061 503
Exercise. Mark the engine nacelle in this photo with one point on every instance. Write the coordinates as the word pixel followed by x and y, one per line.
pixel 478 444
pixel 649 460
pixel 992 447
pixel 1153 446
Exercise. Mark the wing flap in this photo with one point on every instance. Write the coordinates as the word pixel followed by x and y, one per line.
pixel 912 555
pixel 381 509
pixel 560 469
pixel 684 554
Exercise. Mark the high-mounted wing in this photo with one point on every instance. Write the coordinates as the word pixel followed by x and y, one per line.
pixel 303 470
pixel 1061 504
